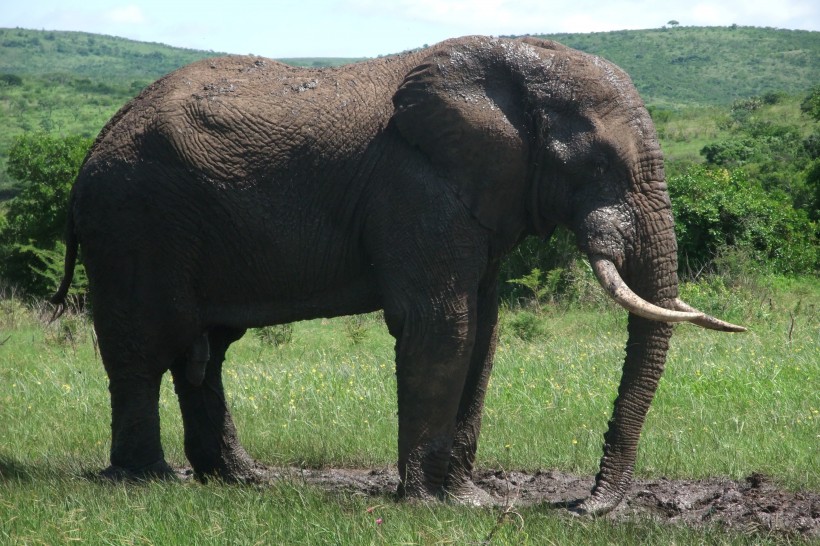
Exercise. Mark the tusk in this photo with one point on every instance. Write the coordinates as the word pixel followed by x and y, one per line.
pixel 707 321
pixel 617 289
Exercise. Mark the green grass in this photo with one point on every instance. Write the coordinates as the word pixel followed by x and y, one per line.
pixel 57 510
pixel 728 405
pixel 684 130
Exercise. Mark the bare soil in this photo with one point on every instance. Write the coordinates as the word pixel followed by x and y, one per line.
pixel 754 505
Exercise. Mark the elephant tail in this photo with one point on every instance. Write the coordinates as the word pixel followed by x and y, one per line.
pixel 71 246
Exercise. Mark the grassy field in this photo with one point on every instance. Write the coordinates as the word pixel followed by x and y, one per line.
pixel 729 405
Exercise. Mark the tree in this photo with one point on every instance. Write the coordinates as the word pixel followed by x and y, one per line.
pixel 811 104
pixel 45 168
pixel 673 23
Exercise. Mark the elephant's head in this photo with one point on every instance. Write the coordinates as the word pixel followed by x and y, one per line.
pixel 535 134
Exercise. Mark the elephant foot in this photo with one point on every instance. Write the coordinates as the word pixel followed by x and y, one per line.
pixel 597 504
pixel 416 492
pixel 159 470
pixel 232 466
pixel 254 473
pixel 469 494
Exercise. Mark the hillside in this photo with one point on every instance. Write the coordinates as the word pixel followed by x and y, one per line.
pixel 708 65
pixel 72 82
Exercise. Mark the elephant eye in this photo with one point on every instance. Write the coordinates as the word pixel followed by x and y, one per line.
pixel 600 164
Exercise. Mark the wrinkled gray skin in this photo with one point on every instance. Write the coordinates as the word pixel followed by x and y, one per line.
pixel 239 192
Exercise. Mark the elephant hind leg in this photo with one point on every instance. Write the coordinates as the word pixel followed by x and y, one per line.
pixel 211 442
pixel 136 451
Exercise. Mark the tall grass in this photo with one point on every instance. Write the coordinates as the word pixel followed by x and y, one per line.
pixel 728 405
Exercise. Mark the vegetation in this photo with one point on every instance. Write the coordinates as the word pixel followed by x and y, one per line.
pixel 729 405
pixel 31 253
pixel 707 65
pixel 739 126
pixel 71 83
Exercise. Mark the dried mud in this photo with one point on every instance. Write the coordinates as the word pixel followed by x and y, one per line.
pixel 754 505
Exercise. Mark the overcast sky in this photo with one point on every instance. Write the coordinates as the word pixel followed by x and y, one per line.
pixel 367 28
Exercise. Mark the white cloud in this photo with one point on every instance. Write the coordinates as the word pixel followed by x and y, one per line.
pixel 125 15
pixel 478 14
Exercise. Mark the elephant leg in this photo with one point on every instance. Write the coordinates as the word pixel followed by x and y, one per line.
pixel 432 358
pixel 136 450
pixel 459 485
pixel 211 442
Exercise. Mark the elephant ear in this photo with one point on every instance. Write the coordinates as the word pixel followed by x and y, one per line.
pixel 467 117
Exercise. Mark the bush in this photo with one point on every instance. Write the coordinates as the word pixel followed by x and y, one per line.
pixel 559 252
pixel 525 325
pixel 274 336
pixel 45 168
pixel 718 209
pixel 811 104
pixel 355 328
pixel 11 80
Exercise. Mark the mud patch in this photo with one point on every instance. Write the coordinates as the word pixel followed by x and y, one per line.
pixel 754 505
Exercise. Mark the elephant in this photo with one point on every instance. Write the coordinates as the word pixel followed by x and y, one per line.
pixel 238 192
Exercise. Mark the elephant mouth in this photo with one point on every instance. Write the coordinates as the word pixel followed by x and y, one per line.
pixel 614 285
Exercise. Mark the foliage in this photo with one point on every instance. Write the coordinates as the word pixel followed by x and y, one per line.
pixel 45 167
pixel 539 285
pixel 718 209
pixel 355 328
pixel 558 252
pixel 811 104
pixel 773 152
pixel 274 336
pixel 48 265
pixel 524 325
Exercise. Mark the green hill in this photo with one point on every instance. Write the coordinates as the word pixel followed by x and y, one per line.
pixel 708 65
pixel 73 82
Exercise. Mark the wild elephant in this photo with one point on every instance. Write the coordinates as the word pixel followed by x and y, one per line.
pixel 239 192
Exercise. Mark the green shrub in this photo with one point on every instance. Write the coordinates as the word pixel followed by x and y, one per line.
pixel 45 168
pixel 718 209
pixel 274 336
pixel 355 328
pixel 557 253
pixel 525 325
pixel 811 104
pixel 11 80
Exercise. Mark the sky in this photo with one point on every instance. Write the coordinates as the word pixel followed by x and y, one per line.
pixel 368 28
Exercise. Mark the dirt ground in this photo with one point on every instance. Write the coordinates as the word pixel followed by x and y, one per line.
pixel 749 506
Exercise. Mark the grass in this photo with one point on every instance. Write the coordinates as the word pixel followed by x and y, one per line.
pixel 728 405
pixel 290 513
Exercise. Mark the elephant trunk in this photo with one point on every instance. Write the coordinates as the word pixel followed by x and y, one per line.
pixel 650 266
pixel 645 358
pixel 645 250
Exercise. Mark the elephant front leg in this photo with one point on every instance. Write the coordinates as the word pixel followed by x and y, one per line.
pixel 211 442
pixel 459 483
pixel 432 357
